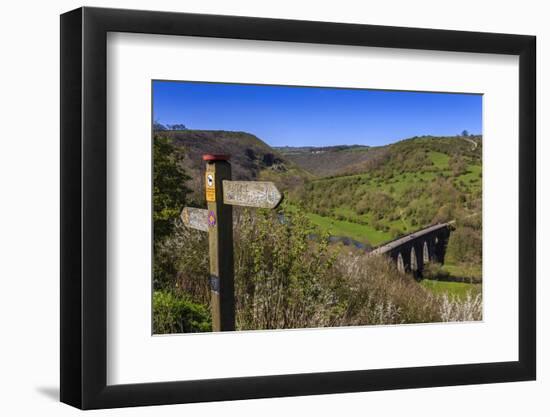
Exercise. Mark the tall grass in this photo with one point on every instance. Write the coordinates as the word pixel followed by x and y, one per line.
pixel 453 308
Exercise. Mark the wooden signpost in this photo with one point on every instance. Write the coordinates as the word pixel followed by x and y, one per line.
pixel 217 219
pixel 251 193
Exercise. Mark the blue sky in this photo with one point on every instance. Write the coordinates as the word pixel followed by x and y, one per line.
pixel 305 116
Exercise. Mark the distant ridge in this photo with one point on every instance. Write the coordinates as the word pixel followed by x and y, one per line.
pixel 327 160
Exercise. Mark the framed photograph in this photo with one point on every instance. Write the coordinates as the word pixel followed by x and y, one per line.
pixel 257 208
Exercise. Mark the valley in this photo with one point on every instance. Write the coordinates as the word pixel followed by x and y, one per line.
pixel 362 197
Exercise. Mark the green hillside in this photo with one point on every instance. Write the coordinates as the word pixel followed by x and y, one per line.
pixel 408 185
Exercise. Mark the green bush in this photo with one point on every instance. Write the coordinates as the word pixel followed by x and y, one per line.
pixel 169 197
pixel 169 189
pixel 176 314
pixel 395 232
pixel 283 277
pixel 435 271
pixel 465 245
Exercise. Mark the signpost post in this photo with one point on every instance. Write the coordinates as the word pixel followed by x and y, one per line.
pixel 217 219
pixel 220 242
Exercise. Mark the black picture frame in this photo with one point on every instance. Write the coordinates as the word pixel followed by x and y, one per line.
pixel 84 207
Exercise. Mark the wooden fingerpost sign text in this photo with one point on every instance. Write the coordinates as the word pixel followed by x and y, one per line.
pixel 221 194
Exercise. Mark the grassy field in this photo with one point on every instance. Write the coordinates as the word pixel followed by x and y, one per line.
pixel 463 271
pixel 471 180
pixel 459 289
pixel 359 232
pixel 439 159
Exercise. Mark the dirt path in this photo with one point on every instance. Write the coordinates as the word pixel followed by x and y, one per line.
pixel 473 142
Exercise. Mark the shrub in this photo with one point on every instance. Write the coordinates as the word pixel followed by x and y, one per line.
pixel 184 255
pixel 434 270
pixel 169 197
pixel 465 245
pixel 394 232
pixel 169 190
pixel 176 314
pixel 283 278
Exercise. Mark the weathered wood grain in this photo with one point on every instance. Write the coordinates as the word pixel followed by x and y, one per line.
pixel 195 218
pixel 262 194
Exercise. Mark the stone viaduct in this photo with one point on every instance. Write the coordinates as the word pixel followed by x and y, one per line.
pixel 411 252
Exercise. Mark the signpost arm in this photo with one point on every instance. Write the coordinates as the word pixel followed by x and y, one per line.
pixel 220 237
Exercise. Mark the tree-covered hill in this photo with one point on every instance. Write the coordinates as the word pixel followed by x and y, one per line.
pixel 251 158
